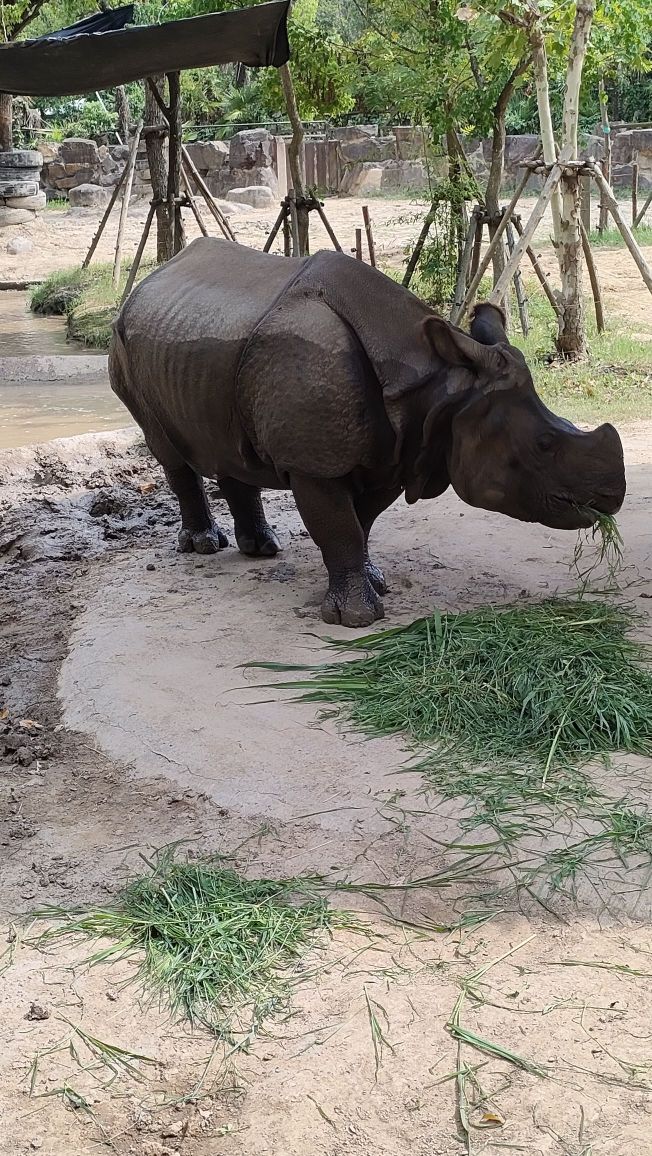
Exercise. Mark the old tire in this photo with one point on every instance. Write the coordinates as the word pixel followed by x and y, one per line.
pixel 21 159
pixel 18 188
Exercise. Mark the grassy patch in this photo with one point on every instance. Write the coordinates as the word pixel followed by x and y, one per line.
pixel 613 239
pixel 87 299
pixel 218 948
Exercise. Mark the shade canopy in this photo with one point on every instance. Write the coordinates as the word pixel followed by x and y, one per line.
pixel 87 57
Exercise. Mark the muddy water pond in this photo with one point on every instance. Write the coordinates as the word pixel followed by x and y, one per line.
pixel 34 409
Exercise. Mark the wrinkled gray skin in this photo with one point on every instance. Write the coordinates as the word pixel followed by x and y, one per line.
pixel 325 377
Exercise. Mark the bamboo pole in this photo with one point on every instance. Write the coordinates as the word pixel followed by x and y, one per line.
pixel 139 253
pixel 370 237
pixel 643 211
pixel 287 244
pixel 420 242
pixel 327 225
pixel 606 140
pixel 477 243
pixel 542 276
pixel 519 288
pixel 627 235
pixel 275 228
pixel 491 248
pixel 192 201
pixel 129 180
pixel 224 225
pixel 294 224
pixel 465 263
pixel 175 133
pixel 593 278
pixel 528 233
pixel 358 244
pixel 635 190
pixel 107 213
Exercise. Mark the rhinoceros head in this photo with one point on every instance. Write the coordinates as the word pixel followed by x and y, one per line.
pixel 507 451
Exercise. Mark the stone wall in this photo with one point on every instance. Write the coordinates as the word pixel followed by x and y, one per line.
pixel 20 195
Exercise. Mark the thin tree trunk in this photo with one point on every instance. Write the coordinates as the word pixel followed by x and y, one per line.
pixel 540 68
pixel 6 122
pixel 606 159
pixel 571 338
pixel 295 157
pixel 158 171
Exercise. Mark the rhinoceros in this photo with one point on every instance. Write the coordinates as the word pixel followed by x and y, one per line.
pixel 325 377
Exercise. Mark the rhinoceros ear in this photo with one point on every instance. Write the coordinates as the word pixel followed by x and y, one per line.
pixel 455 347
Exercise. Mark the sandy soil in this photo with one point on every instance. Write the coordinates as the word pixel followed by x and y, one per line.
pixel 61 238
pixel 129 655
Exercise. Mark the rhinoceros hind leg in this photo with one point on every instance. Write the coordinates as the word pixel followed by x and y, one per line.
pixel 198 530
pixel 253 533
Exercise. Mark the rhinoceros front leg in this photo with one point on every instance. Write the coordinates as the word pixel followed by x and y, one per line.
pixel 253 533
pixel 198 530
pixel 328 512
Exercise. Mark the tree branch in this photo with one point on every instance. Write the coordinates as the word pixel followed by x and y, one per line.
pixel 30 14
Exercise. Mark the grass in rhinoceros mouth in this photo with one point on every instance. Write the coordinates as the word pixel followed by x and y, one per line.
pixel 607 541
pixel 218 948
pixel 505 707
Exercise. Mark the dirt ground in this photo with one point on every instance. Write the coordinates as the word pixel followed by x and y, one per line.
pixel 128 656
pixel 61 238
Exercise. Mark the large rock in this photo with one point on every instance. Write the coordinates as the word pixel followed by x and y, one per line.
pixel 35 203
pixel 21 159
pixel 14 216
pixel 78 151
pixel 352 131
pixel 362 179
pixel 19 245
pixel 88 197
pixel 256 196
pixel 221 182
pixel 368 148
pixel 407 176
pixel 251 149
pixel 411 143
pixel 209 155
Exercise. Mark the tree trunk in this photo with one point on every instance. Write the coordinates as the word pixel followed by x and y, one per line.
pixel 174 162
pixel 158 170
pixel 122 109
pixel 295 158
pixel 571 338
pixel 6 123
pixel 540 68
pixel 494 181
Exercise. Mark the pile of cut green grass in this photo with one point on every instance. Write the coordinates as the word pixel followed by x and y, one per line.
pixel 218 948
pixel 551 684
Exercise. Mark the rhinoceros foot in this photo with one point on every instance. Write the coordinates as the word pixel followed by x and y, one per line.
pixel 262 543
pixel 202 541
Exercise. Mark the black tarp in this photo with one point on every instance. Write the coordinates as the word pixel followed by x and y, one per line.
pixel 109 21
pixel 92 61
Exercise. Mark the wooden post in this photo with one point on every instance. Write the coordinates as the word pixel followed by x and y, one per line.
pixel 129 180
pixel 139 253
pixel 174 164
pixel 496 240
pixel 207 195
pixel 519 288
pixel 585 206
pixel 635 191
pixel 420 242
pixel 370 237
pixel 643 211
pixel 327 225
pixel 294 224
pixel 606 159
pixel 593 278
pixel 528 233
pixel 465 263
pixel 477 243
pixel 275 228
pixel 358 244
pixel 287 245
pixel 543 277
pixel 626 233
pixel 107 213
pixel 187 188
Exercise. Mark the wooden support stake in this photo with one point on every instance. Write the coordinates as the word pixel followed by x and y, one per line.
pixel 129 180
pixel 420 242
pixel 519 288
pixel 606 160
pixel 139 253
pixel 465 264
pixel 287 244
pixel 491 248
pixel 543 277
pixel 107 213
pixel 294 224
pixel 530 229
pixel 370 237
pixel 275 228
pixel 224 225
pixel 626 233
pixel 358 244
pixel 635 190
pixel 327 225
pixel 585 201
pixel 192 201
pixel 643 211
pixel 593 278
pixel 174 163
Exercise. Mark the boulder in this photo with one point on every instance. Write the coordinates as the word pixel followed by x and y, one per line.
pixel 21 159
pixel 209 155
pixel 14 216
pixel 256 196
pixel 119 153
pixel 362 179
pixel 622 148
pixel 88 197
pixel 78 151
pixel 35 203
pixel 351 132
pixel 410 176
pixel 19 245
pixel 519 148
pixel 642 141
pixel 220 182
pixel 368 148
pixel 411 143
pixel 251 149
